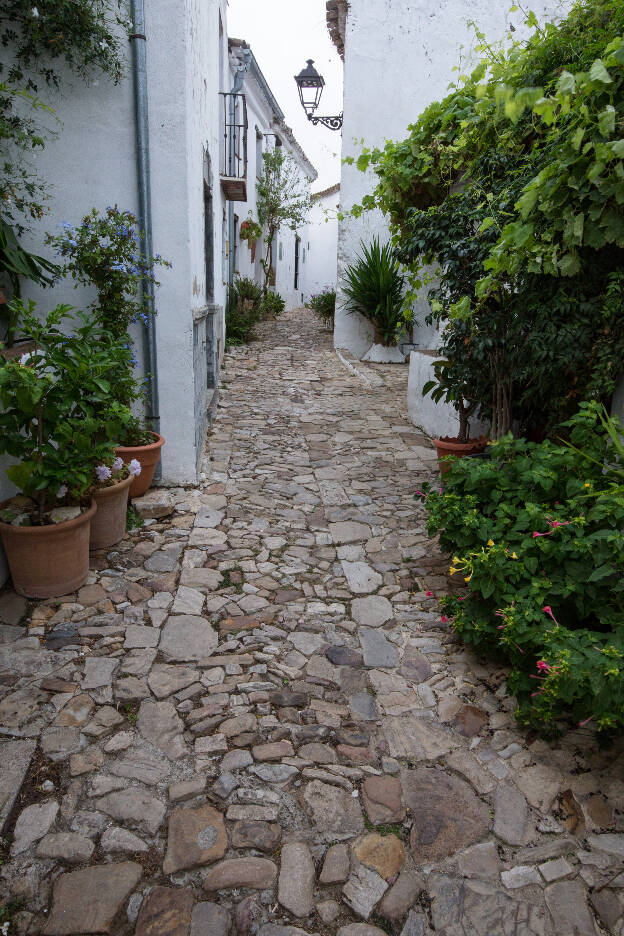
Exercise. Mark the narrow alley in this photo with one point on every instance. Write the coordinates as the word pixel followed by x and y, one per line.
pixel 253 719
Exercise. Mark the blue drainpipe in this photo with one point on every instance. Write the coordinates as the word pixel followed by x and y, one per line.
pixel 139 50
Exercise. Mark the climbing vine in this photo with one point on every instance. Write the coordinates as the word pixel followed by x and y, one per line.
pixel 40 41
pixel 513 186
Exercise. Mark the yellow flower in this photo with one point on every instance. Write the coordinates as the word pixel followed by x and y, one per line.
pixel 490 542
pixel 456 560
pixel 587 484
pixel 467 577
pixel 452 570
pixel 514 556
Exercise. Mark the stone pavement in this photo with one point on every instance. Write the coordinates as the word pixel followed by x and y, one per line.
pixel 253 720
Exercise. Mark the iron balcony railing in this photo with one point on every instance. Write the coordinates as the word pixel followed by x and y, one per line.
pixel 234 146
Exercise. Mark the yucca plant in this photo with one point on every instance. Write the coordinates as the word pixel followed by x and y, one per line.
pixel 373 286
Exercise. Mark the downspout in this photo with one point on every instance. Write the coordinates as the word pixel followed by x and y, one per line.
pixel 239 79
pixel 139 51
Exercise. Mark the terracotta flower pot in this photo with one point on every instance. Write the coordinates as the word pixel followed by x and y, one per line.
pixel 109 524
pixel 148 456
pixel 49 561
pixel 451 446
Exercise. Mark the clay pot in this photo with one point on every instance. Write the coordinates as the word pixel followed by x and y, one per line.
pixel 109 524
pixel 49 561
pixel 448 445
pixel 148 456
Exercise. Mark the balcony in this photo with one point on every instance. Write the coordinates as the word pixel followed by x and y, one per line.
pixel 233 161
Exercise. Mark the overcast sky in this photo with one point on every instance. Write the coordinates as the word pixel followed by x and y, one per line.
pixel 282 35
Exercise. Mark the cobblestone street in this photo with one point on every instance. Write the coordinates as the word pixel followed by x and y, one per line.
pixel 253 720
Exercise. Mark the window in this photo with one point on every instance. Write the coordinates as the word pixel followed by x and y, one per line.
pixel 280 253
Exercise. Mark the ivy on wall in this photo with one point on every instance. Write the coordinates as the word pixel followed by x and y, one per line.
pixel 38 40
pixel 513 185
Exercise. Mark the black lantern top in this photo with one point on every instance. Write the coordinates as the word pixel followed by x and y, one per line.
pixel 310 85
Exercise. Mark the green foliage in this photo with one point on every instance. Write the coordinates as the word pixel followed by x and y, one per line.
pixel 283 200
pixel 272 305
pixel 324 306
pixel 537 534
pixel 42 39
pixel 104 252
pixel 513 185
pixel 58 414
pixel 81 34
pixel 23 195
pixel 242 311
pixel 15 262
pixel 247 304
pixel 133 520
pixel 250 230
pixel 373 286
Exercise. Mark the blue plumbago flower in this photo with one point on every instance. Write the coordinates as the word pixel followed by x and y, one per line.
pixel 134 468
pixel 117 465
pixel 134 360
pixel 62 491
pixel 119 267
pixel 103 473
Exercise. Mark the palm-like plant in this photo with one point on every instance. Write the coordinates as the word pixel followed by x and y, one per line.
pixel 373 286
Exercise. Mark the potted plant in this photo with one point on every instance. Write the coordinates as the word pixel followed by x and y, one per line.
pixel 46 423
pixel 374 287
pixel 103 251
pixel 110 493
pixel 452 387
pixel 251 231
pixel 139 446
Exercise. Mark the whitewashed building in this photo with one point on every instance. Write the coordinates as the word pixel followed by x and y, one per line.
pixel 266 128
pixel 399 56
pixel 170 144
pixel 323 241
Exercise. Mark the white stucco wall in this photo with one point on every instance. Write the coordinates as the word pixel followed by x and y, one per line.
pixel 262 119
pixel 399 57
pixel 323 240
pixel 92 163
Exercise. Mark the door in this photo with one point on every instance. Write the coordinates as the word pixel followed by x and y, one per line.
pixel 297 253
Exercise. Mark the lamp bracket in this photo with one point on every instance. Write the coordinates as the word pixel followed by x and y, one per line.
pixel 332 123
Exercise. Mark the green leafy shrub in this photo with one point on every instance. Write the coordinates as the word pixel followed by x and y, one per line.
pixel 536 532
pixel 512 187
pixel 272 305
pixel 324 306
pixel 104 251
pixel 57 414
pixel 242 311
pixel 373 286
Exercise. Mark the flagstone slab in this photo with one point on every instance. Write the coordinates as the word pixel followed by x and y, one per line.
pixel 447 815
pixel 187 637
pixel 15 758
pixel 195 837
pixel 88 900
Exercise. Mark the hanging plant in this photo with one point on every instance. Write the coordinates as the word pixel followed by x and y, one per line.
pixel 250 231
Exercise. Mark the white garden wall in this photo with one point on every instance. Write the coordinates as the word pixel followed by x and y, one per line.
pixel 400 56
pixel 323 241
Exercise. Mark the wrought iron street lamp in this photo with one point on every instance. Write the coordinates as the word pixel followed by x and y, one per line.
pixel 311 85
